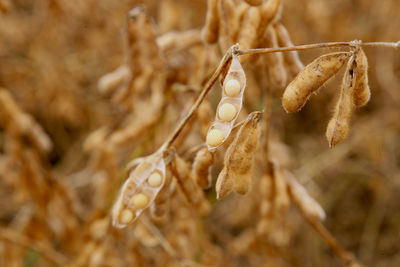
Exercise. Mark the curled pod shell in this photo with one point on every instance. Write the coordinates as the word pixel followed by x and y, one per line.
pixel 311 78
pixel 139 190
pixel 338 126
pixel 229 106
pixel 362 92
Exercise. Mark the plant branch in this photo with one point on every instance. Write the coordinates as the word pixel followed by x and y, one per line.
pixel 318 45
pixel 224 61
pixel 347 257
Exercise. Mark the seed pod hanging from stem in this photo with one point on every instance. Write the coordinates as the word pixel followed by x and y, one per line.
pixel 312 77
pixel 362 92
pixel 338 126
pixel 239 159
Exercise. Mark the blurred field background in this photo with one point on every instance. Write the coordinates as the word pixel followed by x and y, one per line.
pixel 52 54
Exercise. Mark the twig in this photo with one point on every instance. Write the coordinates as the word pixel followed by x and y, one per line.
pixel 224 61
pixel 21 240
pixel 347 257
pixel 318 45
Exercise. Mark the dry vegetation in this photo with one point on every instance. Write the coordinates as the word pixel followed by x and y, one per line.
pixel 157 133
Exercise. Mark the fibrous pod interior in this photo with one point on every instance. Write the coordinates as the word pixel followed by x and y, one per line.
pixel 229 106
pixel 139 190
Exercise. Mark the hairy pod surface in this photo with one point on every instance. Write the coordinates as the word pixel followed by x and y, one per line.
pixel 311 78
pixel 362 92
pixel 239 159
pixel 338 126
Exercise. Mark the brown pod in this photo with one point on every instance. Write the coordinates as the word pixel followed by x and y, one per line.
pixel 270 11
pixel 311 78
pixel 362 92
pixel 211 28
pixel 201 165
pixel 338 126
pixel 205 116
pixel 248 30
pixel 226 15
pixel 281 198
pixel 276 71
pixel 291 58
pixel 192 192
pixel 111 81
pixel 300 197
pixel 254 2
pixel 239 159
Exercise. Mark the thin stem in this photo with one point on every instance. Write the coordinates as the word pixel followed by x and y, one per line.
pixel 347 257
pixel 224 61
pixel 318 45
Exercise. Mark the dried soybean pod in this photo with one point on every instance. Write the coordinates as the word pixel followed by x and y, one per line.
pixel 312 77
pixel 191 191
pixel 362 92
pixel 300 197
pixel 270 11
pixel 282 200
pixel 201 165
pixel 254 2
pixel 229 106
pixel 137 193
pixel 211 29
pixel 248 29
pixel 111 81
pixel 226 15
pixel 276 71
pixel 338 126
pixel 235 23
pixel 291 58
pixel 239 159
